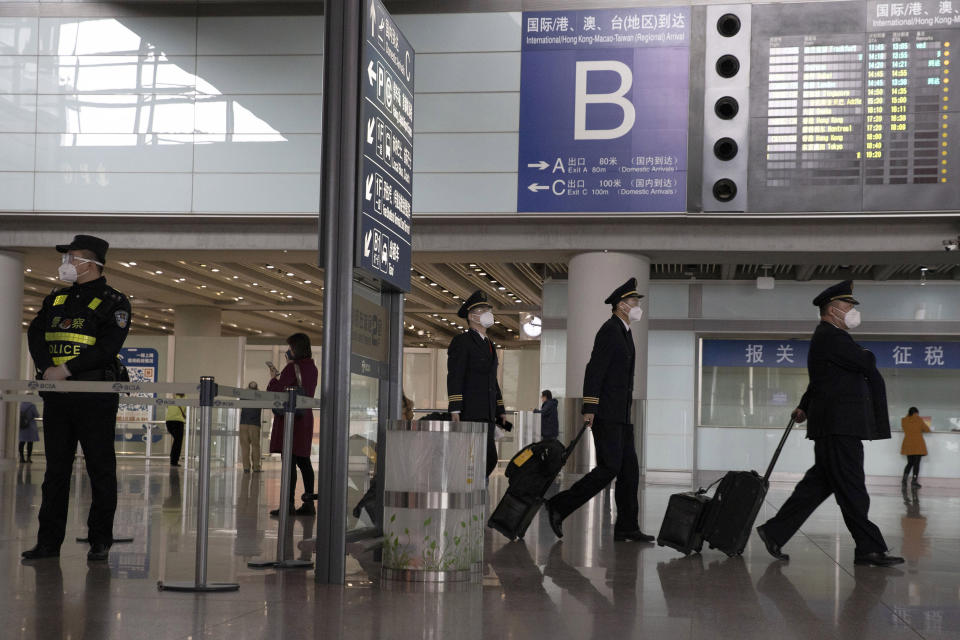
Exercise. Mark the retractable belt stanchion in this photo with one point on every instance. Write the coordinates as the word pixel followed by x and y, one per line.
pixel 286 479
pixel 207 392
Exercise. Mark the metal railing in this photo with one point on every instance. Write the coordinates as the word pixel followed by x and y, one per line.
pixel 209 395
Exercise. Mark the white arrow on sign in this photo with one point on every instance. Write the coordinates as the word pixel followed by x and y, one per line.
pixel 539 165
pixel 538 187
pixel 369 185
pixel 371 123
pixel 371 73
pixel 366 244
pixel 373 18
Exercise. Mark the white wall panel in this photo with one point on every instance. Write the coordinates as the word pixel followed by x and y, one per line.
pixel 115 113
pixel 16 151
pixel 18 36
pixel 464 192
pixel 670 382
pixel 668 300
pixel 671 347
pixel 113 192
pixel 263 153
pixel 431 33
pixel 16 191
pixel 668 453
pixel 467 72
pixel 480 152
pixel 116 74
pixel 246 35
pixel 123 35
pixel 18 113
pixel 669 417
pixel 114 153
pixel 259 113
pixel 256 193
pixel 466 112
pixel 259 74
pixel 18 74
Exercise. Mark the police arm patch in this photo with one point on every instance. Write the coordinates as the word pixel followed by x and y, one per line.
pixel 122 318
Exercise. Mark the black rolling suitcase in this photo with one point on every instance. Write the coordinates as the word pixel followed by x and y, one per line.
pixel 531 472
pixel 682 527
pixel 735 504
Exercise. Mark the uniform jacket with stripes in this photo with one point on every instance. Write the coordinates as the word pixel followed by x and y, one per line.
pixel 84 326
pixel 608 380
pixel 472 387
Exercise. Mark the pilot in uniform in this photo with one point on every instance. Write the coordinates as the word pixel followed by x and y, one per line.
pixel 846 403
pixel 607 400
pixel 472 388
pixel 77 335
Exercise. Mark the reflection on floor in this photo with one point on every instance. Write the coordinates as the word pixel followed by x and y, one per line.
pixel 584 587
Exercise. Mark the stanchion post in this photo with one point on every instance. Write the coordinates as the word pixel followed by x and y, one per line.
pixel 208 390
pixel 286 486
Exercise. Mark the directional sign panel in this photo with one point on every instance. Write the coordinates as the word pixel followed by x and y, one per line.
pixel 386 146
pixel 603 110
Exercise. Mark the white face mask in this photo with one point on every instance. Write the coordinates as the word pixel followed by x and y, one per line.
pixel 636 314
pixel 852 319
pixel 67 272
pixel 486 319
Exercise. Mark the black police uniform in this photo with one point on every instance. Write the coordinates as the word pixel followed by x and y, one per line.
pixel 608 394
pixel 472 387
pixel 83 326
pixel 845 403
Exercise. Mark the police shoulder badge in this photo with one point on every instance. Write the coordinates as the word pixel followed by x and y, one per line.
pixel 122 317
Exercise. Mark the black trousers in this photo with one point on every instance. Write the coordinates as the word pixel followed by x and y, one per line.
pixel 837 470
pixel 175 429
pixel 29 446
pixel 616 460
pixel 89 419
pixel 493 456
pixel 913 462
pixel 306 470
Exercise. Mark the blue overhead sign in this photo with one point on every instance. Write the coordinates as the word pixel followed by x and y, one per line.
pixel 904 354
pixel 386 141
pixel 603 110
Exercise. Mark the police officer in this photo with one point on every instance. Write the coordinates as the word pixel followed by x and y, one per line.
pixel 845 402
pixel 607 398
pixel 472 388
pixel 77 335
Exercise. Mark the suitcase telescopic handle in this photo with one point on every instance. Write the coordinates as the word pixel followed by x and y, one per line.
pixel 776 454
pixel 573 444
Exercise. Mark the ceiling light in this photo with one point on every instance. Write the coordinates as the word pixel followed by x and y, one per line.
pixel 239 297
pixel 289 296
pixel 307 281
pixel 456 297
pixel 158 272
pixel 445 291
pixel 273 290
pixel 420 332
pixel 422 277
pixel 433 284
pixel 215 270
pixel 269 266
pixel 289 273
pixel 163 326
pixel 483 273
pixel 202 264
pixel 236 277
pixel 924 269
pixel 256 284
pixel 181 279
pixel 132 263
pixel 203 286
pixel 125 264
pixel 501 288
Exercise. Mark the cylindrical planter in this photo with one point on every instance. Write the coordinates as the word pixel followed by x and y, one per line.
pixel 433 514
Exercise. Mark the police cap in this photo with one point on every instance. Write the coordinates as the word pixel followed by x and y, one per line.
pixel 840 291
pixel 97 245
pixel 477 299
pixel 627 290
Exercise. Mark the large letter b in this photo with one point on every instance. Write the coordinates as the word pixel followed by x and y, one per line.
pixel 582 99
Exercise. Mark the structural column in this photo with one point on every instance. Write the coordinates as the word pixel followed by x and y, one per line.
pixel 192 320
pixel 592 277
pixel 11 330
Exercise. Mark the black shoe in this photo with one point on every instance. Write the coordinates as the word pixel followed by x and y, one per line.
pixel 877 559
pixel 631 536
pixel 174 464
pixel 306 509
pixel 40 552
pixel 772 547
pixel 556 520
pixel 916 484
pixel 99 552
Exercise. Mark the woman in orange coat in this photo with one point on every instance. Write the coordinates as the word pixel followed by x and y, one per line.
pixel 913 445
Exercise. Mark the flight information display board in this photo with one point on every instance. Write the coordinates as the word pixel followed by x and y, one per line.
pixel 851 109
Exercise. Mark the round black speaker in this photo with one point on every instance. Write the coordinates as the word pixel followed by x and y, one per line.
pixel 724 189
pixel 728 66
pixel 728 25
pixel 725 148
pixel 726 108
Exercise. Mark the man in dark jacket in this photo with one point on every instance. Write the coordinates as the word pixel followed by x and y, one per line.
pixel 77 335
pixel 845 402
pixel 549 422
pixel 607 399
pixel 472 388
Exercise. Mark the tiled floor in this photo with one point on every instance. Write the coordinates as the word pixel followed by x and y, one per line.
pixel 583 587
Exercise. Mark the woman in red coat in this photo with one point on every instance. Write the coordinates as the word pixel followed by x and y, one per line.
pixel 299 356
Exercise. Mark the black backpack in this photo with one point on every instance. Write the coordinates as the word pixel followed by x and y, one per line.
pixel 24 420
pixel 533 466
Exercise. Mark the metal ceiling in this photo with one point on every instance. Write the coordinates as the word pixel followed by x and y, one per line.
pixel 274 294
